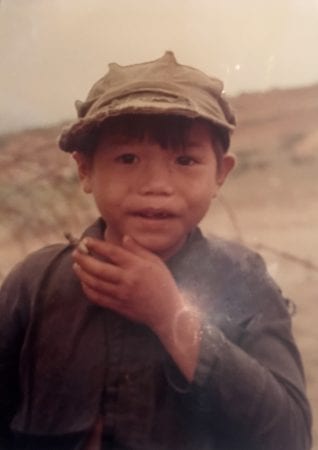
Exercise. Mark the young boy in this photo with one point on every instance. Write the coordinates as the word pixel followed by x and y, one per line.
pixel 148 336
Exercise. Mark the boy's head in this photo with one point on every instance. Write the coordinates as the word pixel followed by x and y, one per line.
pixel 151 145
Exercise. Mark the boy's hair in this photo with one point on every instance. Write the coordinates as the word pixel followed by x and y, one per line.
pixel 165 130
pixel 157 88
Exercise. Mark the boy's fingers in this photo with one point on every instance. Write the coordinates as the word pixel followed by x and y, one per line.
pixel 95 284
pixel 98 269
pixel 100 299
pixel 108 250
pixel 132 245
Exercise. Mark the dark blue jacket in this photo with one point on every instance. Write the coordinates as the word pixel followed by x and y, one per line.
pixel 65 361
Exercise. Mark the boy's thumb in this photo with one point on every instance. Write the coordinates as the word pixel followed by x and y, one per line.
pixel 129 243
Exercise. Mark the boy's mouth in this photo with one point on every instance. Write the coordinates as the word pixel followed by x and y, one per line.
pixel 154 214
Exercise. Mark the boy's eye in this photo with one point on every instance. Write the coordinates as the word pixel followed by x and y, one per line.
pixel 127 158
pixel 185 160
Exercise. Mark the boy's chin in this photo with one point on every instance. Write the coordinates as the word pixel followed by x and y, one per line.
pixel 161 246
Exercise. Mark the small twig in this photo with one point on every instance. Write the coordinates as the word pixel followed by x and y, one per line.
pixel 75 242
pixel 286 255
pixel 283 254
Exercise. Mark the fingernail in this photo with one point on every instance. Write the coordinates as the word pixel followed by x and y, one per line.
pixel 82 246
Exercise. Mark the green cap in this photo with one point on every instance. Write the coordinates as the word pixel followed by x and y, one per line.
pixel 162 86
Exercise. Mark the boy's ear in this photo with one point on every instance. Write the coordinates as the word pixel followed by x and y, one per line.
pixel 226 165
pixel 83 170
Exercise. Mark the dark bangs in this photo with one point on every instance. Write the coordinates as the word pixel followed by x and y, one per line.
pixel 169 131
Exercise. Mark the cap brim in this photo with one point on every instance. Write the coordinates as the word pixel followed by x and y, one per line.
pixel 80 135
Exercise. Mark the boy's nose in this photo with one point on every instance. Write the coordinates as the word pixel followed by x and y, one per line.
pixel 156 180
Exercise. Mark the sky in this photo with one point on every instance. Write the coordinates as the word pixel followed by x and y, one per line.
pixel 52 51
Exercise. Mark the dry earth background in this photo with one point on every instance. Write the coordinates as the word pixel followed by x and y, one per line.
pixel 270 203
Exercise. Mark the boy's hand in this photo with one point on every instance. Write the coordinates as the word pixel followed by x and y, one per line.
pixel 136 284
pixel 129 280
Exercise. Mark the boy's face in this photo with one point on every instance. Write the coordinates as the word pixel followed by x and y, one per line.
pixel 155 195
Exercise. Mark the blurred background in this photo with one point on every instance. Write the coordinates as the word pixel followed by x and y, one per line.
pixel 51 52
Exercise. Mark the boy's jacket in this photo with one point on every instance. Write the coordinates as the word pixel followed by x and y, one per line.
pixel 64 361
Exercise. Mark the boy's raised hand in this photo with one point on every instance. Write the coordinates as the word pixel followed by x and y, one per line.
pixel 129 280
pixel 136 283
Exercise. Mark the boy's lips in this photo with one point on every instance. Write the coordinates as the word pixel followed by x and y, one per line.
pixel 154 214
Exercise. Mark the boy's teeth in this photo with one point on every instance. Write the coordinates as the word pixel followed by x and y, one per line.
pixel 150 214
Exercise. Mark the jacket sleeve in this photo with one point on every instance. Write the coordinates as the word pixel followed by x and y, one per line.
pixel 12 326
pixel 249 381
pixel 18 296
